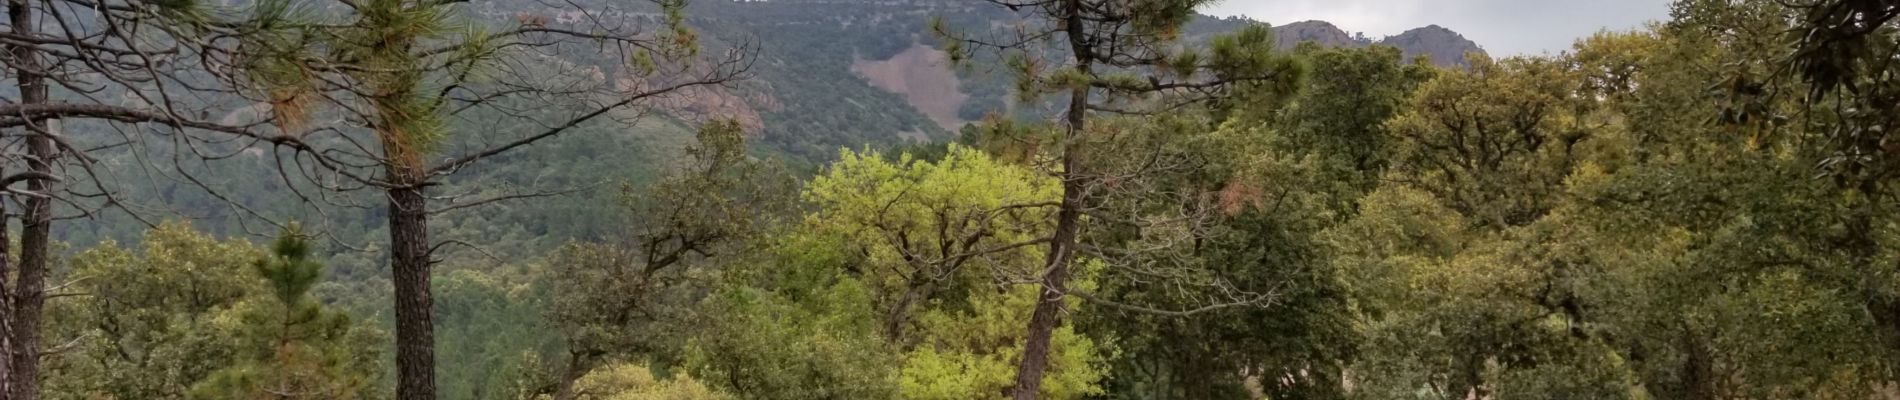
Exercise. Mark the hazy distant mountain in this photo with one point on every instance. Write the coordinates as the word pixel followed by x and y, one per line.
pixel 851 73
pixel 1316 31
pixel 1444 46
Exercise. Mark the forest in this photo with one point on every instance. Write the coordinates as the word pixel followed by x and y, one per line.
pixel 637 200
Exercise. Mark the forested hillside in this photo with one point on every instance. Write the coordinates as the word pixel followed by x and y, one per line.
pixel 824 75
pixel 938 199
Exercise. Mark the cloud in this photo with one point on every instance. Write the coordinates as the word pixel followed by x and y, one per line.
pixel 1503 27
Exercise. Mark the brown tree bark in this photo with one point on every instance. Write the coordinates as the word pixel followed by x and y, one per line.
pixel 30 282
pixel 6 302
pixel 409 265
pixel 1049 306
pixel 36 225
pixel 1470 381
pixel 578 365
pixel 1698 369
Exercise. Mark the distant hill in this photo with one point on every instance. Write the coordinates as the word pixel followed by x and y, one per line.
pixel 1444 46
pixel 1316 31
pixel 852 73
pixel 847 73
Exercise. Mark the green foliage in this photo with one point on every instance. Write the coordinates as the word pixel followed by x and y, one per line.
pixel 822 345
pixel 1656 251
pixel 627 298
pixel 958 359
pixel 1340 116
pixel 633 382
pixel 899 262
pixel 1457 243
pixel 1662 214
pixel 194 317
pixel 493 331
pixel 380 43
pixel 1492 142
pixel 147 328
pixel 294 347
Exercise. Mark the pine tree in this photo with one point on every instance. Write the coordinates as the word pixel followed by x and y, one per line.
pixel 417 74
pixel 292 346
pixel 1112 58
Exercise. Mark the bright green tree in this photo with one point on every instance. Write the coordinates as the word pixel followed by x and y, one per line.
pixel 818 342
pixel 906 262
pixel 189 316
pixel 633 382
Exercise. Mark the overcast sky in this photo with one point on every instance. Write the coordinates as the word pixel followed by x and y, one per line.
pixel 1502 27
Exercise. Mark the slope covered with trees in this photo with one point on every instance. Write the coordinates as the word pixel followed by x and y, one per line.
pixel 597 200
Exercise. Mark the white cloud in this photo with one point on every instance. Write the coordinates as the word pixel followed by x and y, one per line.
pixel 1503 27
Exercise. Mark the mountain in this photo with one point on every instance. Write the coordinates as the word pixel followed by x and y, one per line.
pixel 847 73
pixel 1441 45
pixel 1444 46
pixel 836 74
pixel 1321 32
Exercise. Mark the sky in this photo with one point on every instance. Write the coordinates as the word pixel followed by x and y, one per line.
pixel 1502 27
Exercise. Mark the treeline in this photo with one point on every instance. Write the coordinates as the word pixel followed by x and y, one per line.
pixel 1702 210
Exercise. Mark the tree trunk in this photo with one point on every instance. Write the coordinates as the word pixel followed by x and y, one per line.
pixel 36 224
pixel 409 263
pixel 1471 383
pixel 29 291
pixel 1698 369
pixel 578 365
pixel 30 287
pixel 6 303
pixel 1049 304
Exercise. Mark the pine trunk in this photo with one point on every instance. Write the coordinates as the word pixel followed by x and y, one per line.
pixel 409 263
pixel 578 365
pixel 1049 304
pixel 36 226
pixel 1698 370
pixel 6 304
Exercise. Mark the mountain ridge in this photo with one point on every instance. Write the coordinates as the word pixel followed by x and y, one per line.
pixel 1443 46
pixel 836 74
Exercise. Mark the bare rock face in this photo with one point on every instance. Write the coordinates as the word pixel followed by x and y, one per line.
pixel 922 75
pixel 1320 32
pixel 1444 46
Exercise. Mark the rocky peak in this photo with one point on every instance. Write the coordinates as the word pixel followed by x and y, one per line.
pixel 1316 31
pixel 1444 46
